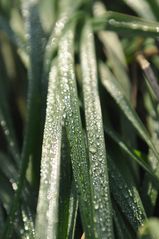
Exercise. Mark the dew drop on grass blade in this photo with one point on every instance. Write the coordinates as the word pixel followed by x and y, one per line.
pixel 47 209
pixel 102 213
pixel 74 129
pixel 115 90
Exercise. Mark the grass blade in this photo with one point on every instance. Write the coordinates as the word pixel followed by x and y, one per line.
pixel 113 87
pixel 102 214
pixel 126 24
pixel 122 144
pixel 74 128
pixel 126 197
pixel 47 209
pixel 115 55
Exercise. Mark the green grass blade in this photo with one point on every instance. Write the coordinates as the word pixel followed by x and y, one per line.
pixel 74 128
pixel 126 24
pixel 47 209
pixel 113 87
pixel 102 214
pixel 126 197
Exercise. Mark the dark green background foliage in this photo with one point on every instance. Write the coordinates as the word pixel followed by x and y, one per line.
pixel 79 119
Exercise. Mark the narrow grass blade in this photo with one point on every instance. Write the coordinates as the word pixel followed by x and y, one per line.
pixel 142 8
pixel 102 214
pixel 126 24
pixel 113 87
pixel 126 197
pixel 74 128
pixel 47 209
pixel 150 229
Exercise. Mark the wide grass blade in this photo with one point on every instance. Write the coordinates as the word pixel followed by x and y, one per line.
pixel 102 213
pixel 47 209
pixel 74 129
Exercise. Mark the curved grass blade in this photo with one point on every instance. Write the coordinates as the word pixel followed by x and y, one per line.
pixel 74 128
pixel 150 229
pixel 126 197
pixel 142 8
pixel 102 214
pixel 47 209
pixel 126 24
pixel 113 87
